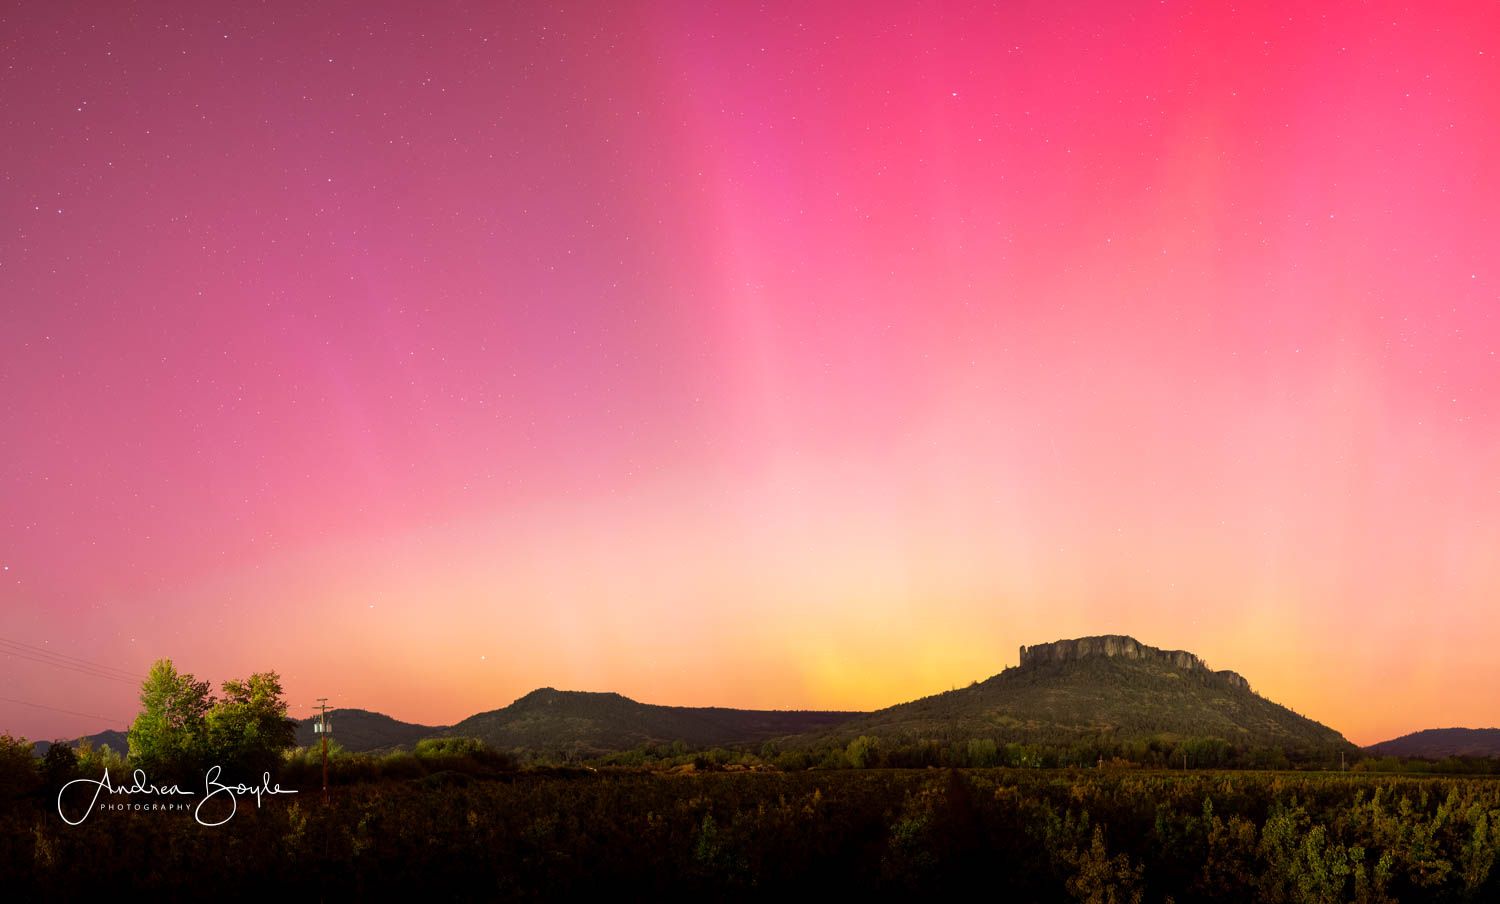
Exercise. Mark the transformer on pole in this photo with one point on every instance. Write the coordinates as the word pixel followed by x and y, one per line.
pixel 323 728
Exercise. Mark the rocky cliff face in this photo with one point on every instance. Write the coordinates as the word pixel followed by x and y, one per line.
pixel 1122 647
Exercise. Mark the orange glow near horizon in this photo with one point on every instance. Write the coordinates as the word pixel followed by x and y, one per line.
pixel 775 359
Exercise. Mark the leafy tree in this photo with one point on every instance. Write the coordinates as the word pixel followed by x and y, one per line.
pixel 17 768
pixel 93 761
pixel 248 728
pixel 182 729
pixel 169 736
pixel 862 752
pixel 983 752
pixel 59 765
pixel 436 747
pixel 1101 878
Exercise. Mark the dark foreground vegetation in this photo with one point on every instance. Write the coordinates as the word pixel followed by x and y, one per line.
pixel 911 812
pixel 1097 835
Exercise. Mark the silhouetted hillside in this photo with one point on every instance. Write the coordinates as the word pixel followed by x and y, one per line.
pixel 586 722
pixel 1437 743
pixel 1112 688
pixel 360 730
pixel 115 739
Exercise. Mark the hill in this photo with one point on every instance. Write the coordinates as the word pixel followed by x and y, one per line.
pixel 1437 743
pixel 586 722
pixel 1110 688
pixel 360 730
pixel 115 739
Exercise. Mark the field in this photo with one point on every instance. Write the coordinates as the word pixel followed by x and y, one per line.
pixel 1027 835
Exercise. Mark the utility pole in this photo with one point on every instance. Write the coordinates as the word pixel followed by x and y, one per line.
pixel 324 727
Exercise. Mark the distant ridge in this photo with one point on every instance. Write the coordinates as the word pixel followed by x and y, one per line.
pixel 588 722
pixel 116 740
pixel 1437 743
pixel 361 731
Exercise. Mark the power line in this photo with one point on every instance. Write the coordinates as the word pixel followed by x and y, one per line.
pixel 71 668
pixel 22 647
pixel 109 719
pixel 33 653
pixel 67 663
pixel 73 660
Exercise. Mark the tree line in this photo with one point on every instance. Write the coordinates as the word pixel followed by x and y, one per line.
pixel 1031 835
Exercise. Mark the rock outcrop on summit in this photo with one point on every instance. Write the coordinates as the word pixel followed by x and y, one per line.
pixel 1122 647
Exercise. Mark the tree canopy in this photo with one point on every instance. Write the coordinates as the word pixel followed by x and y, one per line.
pixel 169 735
pixel 182 728
pixel 248 727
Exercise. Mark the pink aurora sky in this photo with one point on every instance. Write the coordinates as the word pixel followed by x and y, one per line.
pixel 757 355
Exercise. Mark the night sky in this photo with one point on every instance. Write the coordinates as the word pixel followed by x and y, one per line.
pixel 748 354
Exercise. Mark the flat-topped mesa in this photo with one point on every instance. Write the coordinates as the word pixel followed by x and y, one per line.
pixel 1120 646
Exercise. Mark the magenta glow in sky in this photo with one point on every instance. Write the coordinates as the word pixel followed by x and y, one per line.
pixel 758 356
